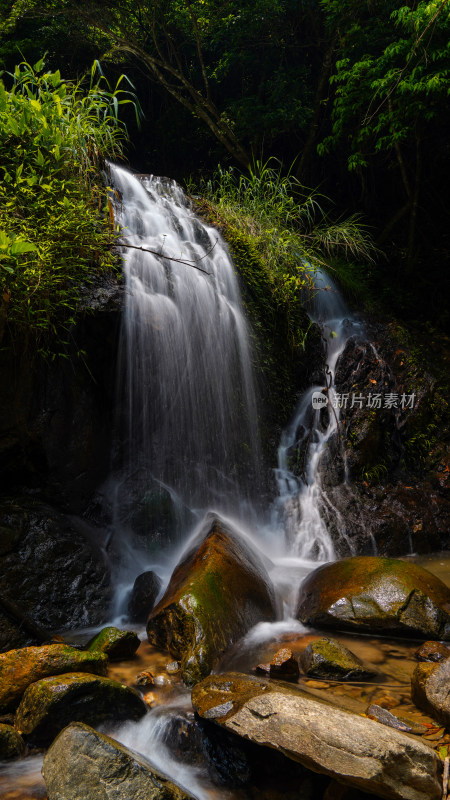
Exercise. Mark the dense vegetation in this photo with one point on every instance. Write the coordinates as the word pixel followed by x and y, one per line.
pixel 351 97
pixel 55 224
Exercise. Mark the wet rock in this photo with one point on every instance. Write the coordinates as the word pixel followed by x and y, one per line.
pixel 378 595
pixel 82 763
pixel 144 679
pixel 20 668
pixel 385 717
pixel 323 738
pixel 53 569
pixel 217 593
pixel 432 651
pixel 430 690
pixel 143 595
pixel 11 743
pixel 116 644
pixel 52 703
pixel 283 665
pixel 327 658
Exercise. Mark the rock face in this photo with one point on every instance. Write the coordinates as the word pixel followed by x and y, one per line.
pixel 430 689
pixel 20 668
pixel 82 763
pixel 378 595
pixel 116 644
pixel 52 703
pixel 322 737
pixel 326 658
pixel 143 595
pixel 432 651
pixel 216 594
pixel 11 743
pixel 52 568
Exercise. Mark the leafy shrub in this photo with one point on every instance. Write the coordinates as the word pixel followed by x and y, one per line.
pixel 55 223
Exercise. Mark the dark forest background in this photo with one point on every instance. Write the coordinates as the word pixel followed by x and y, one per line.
pixel 351 97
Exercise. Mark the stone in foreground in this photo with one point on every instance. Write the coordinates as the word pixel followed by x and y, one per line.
pixel 19 668
pixel 52 703
pixel 217 593
pixel 116 644
pixel 11 743
pixel 380 595
pixel 83 764
pixel 327 658
pixel 350 748
pixel 430 689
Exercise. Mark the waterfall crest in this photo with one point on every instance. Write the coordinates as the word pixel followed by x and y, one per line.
pixel 186 377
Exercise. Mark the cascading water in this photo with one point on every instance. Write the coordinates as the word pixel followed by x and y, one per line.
pixel 303 506
pixel 303 512
pixel 185 363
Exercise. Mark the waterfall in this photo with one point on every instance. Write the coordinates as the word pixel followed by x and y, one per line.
pixel 303 507
pixel 185 366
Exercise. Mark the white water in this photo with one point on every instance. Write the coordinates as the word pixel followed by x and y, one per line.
pixel 303 507
pixel 186 374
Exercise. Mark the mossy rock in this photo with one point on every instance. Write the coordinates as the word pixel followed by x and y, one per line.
pixel 116 644
pixel 379 595
pixel 83 764
pixel 11 743
pixel 327 658
pixel 217 593
pixel 52 703
pixel 19 668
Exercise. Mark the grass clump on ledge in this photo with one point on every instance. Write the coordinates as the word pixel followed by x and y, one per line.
pixel 55 224
pixel 287 224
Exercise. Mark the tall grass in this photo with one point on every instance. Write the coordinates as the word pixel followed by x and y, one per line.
pixel 287 222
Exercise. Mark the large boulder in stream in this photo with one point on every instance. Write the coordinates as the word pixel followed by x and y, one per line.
pixel 82 763
pixel 52 703
pixel 19 668
pixel 377 595
pixel 218 591
pixel 346 746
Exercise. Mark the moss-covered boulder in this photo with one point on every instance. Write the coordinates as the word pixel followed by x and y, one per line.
pixel 327 658
pixel 116 644
pixel 384 595
pixel 20 668
pixel 52 703
pixel 430 689
pixel 217 593
pixel 11 743
pixel 83 764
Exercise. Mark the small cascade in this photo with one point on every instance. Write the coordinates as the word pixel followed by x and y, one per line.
pixel 303 507
pixel 188 396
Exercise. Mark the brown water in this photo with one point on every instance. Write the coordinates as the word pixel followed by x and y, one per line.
pixel 393 659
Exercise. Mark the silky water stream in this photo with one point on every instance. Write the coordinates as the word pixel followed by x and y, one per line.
pixel 188 436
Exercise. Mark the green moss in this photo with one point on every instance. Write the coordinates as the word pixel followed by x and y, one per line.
pixel 287 345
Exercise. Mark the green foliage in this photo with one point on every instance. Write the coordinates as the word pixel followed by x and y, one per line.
pixel 55 224
pixel 392 76
pixel 287 224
